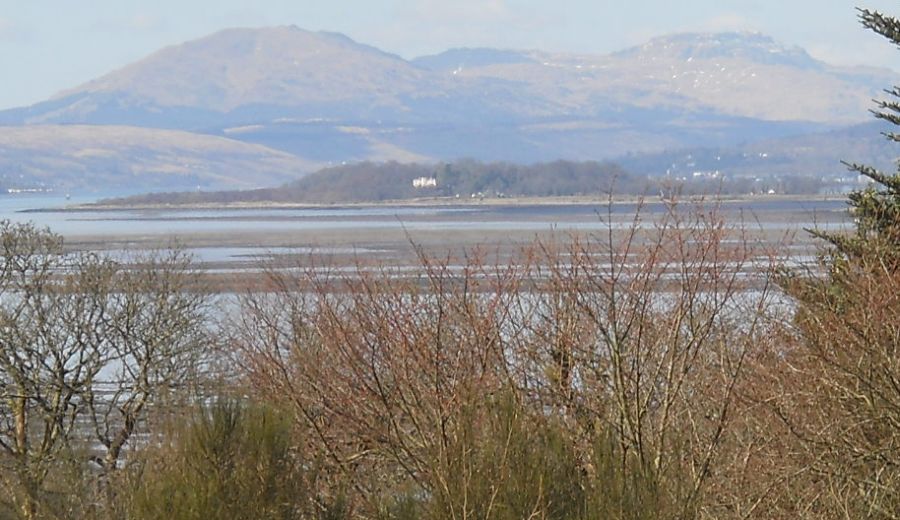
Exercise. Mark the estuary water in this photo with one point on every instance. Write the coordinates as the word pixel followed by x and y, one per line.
pixel 237 235
pixel 48 210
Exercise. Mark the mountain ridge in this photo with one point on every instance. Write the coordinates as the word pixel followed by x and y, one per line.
pixel 312 74
pixel 326 98
pixel 753 45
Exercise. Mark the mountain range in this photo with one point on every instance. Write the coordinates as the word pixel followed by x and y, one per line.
pixel 249 107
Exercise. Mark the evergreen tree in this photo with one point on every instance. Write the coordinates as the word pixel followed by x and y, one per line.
pixel 876 208
pixel 842 389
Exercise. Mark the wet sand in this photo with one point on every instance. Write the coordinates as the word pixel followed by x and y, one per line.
pixel 233 244
pixel 230 242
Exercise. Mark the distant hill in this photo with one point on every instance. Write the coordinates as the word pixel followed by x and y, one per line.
pixel 457 60
pixel 278 66
pixel 468 180
pixel 322 98
pixel 239 76
pixel 263 75
pixel 817 155
pixel 747 46
pixel 106 158
pixel 391 181
pixel 735 74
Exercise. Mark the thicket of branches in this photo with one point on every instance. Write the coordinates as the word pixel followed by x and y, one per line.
pixel 599 379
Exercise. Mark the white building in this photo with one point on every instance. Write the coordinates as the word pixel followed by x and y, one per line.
pixel 425 182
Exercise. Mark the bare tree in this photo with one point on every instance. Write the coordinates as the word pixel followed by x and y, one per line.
pixel 639 337
pixel 645 333
pixel 49 354
pixel 155 329
pixel 86 345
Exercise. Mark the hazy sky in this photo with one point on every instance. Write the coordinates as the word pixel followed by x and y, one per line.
pixel 50 45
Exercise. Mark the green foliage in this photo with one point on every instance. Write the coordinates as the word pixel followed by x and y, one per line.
pixel 506 462
pixel 371 182
pixel 876 208
pixel 231 461
pixel 66 492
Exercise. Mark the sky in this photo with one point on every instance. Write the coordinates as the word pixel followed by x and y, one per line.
pixel 50 45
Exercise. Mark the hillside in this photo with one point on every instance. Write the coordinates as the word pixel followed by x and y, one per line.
pixel 280 66
pixel 734 74
pixel 471 181
pixel 457 181
pixel 108 158
pixel 239 76
pixel 818 155
pixel 263 75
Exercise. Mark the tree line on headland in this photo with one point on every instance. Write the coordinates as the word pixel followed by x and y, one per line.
pixel 468 179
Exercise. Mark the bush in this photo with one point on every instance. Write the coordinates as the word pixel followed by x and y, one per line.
pixel 231 460
pixel 596 381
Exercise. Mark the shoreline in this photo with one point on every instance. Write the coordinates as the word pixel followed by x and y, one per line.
pixel 432 202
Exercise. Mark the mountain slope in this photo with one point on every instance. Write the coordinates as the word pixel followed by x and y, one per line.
pixel 240 76
pixel 113 158
pixel 734 74
pixel 816 155
pixel 276 66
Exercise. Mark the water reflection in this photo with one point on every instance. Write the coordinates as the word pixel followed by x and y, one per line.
pixel 776 214
pixel 102 229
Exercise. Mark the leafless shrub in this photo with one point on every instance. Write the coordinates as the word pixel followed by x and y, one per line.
pixel 835 398
pixel 632 345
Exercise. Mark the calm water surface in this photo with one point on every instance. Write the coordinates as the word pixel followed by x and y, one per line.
pixel 175 223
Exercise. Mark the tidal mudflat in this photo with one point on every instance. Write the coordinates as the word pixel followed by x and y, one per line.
pixel 238 240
